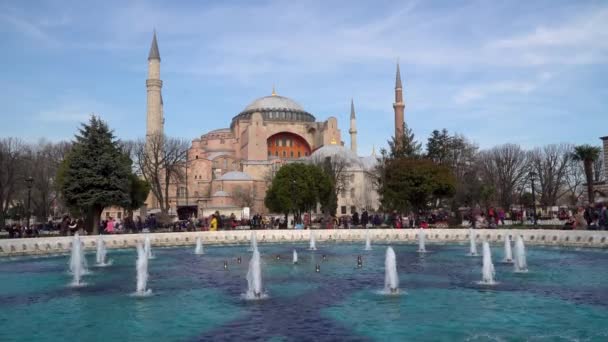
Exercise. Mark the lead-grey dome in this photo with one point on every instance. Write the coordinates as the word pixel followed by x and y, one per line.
pixel 273 101
pixel 276 108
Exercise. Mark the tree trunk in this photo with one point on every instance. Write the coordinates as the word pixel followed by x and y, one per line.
pixel 92 220
pixel 589 175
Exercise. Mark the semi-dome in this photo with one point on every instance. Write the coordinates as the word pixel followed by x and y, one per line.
pixel 337 151
pixel 276 108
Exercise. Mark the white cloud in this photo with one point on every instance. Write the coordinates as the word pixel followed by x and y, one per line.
pixel 582 40
pixel 64 114
pixel 480 91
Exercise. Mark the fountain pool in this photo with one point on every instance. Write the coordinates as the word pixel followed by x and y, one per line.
pixel 563 297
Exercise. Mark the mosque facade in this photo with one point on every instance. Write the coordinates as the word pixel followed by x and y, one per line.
pixel 230 168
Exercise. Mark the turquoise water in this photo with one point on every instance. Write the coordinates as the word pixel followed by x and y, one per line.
pixel 564 297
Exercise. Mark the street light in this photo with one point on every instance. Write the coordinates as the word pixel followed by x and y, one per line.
pixel 520 190
pixel 293 200
pixel 29 182
pixel 532 175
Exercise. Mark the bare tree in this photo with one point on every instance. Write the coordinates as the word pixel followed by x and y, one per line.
pixel 161 161
pixel 551 165
pixel 243 197
pixel 504 167
pixel 12 180
pixel 598 170
pixel 337 168
pixel 574 185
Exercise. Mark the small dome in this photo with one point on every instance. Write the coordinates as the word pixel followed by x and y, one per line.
pixel 273 102
pixel 337 151
pixel 235 176
pixel 220 193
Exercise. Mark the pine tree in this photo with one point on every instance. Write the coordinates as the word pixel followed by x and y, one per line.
pixel 405 145
pixel 95 174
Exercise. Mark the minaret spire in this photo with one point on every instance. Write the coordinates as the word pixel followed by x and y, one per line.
pixel 353 127
pixel 154 54
pixel 398 106
pixel 154 113
pixel 398 78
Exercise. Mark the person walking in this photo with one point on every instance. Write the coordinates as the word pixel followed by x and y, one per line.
pixel 213 224
pixel 110 226
pixel 603 222
pixel 580 220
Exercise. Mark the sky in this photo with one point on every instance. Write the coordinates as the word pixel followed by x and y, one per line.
pixel 524 72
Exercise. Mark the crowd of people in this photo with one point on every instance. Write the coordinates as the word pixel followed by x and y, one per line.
pixel 589 217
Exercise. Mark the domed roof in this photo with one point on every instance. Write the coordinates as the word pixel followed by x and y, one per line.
pixel 275 108
pixel 274 102
pixel 235 176
pixel 337 151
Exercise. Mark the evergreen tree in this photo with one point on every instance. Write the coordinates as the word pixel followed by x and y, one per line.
pixel 414 183
pixel 138 193
pixel 95 174
pixel 297 188
pixel 405 146
pixel 438 146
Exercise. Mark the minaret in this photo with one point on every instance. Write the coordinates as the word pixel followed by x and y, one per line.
pixel 353 128
pixel 154 114
pixel 399 106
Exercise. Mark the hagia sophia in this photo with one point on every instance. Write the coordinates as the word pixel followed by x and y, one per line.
pixel 230 168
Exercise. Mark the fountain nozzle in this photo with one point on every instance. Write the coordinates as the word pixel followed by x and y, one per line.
pixel 318 268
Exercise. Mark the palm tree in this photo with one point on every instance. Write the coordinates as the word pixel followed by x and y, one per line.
pixel 587 154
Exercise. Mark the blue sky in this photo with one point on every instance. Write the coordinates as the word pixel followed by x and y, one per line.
pixel 530 72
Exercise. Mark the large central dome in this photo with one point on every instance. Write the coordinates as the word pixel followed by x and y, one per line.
pixel 273 102
pixel 275 108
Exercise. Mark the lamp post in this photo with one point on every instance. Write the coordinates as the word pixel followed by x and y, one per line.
pixel 532 180
pixel 521 204
pixel 29 182
pixel 187 203
pixel 293 200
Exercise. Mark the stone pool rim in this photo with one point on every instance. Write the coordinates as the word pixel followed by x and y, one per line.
pixel 62 244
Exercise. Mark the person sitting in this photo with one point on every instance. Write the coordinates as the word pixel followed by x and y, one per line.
pixel 570 223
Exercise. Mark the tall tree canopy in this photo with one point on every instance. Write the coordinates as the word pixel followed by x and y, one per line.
pixel 414 183
pixel 297 188
pixel 96 173
pixel 407 179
